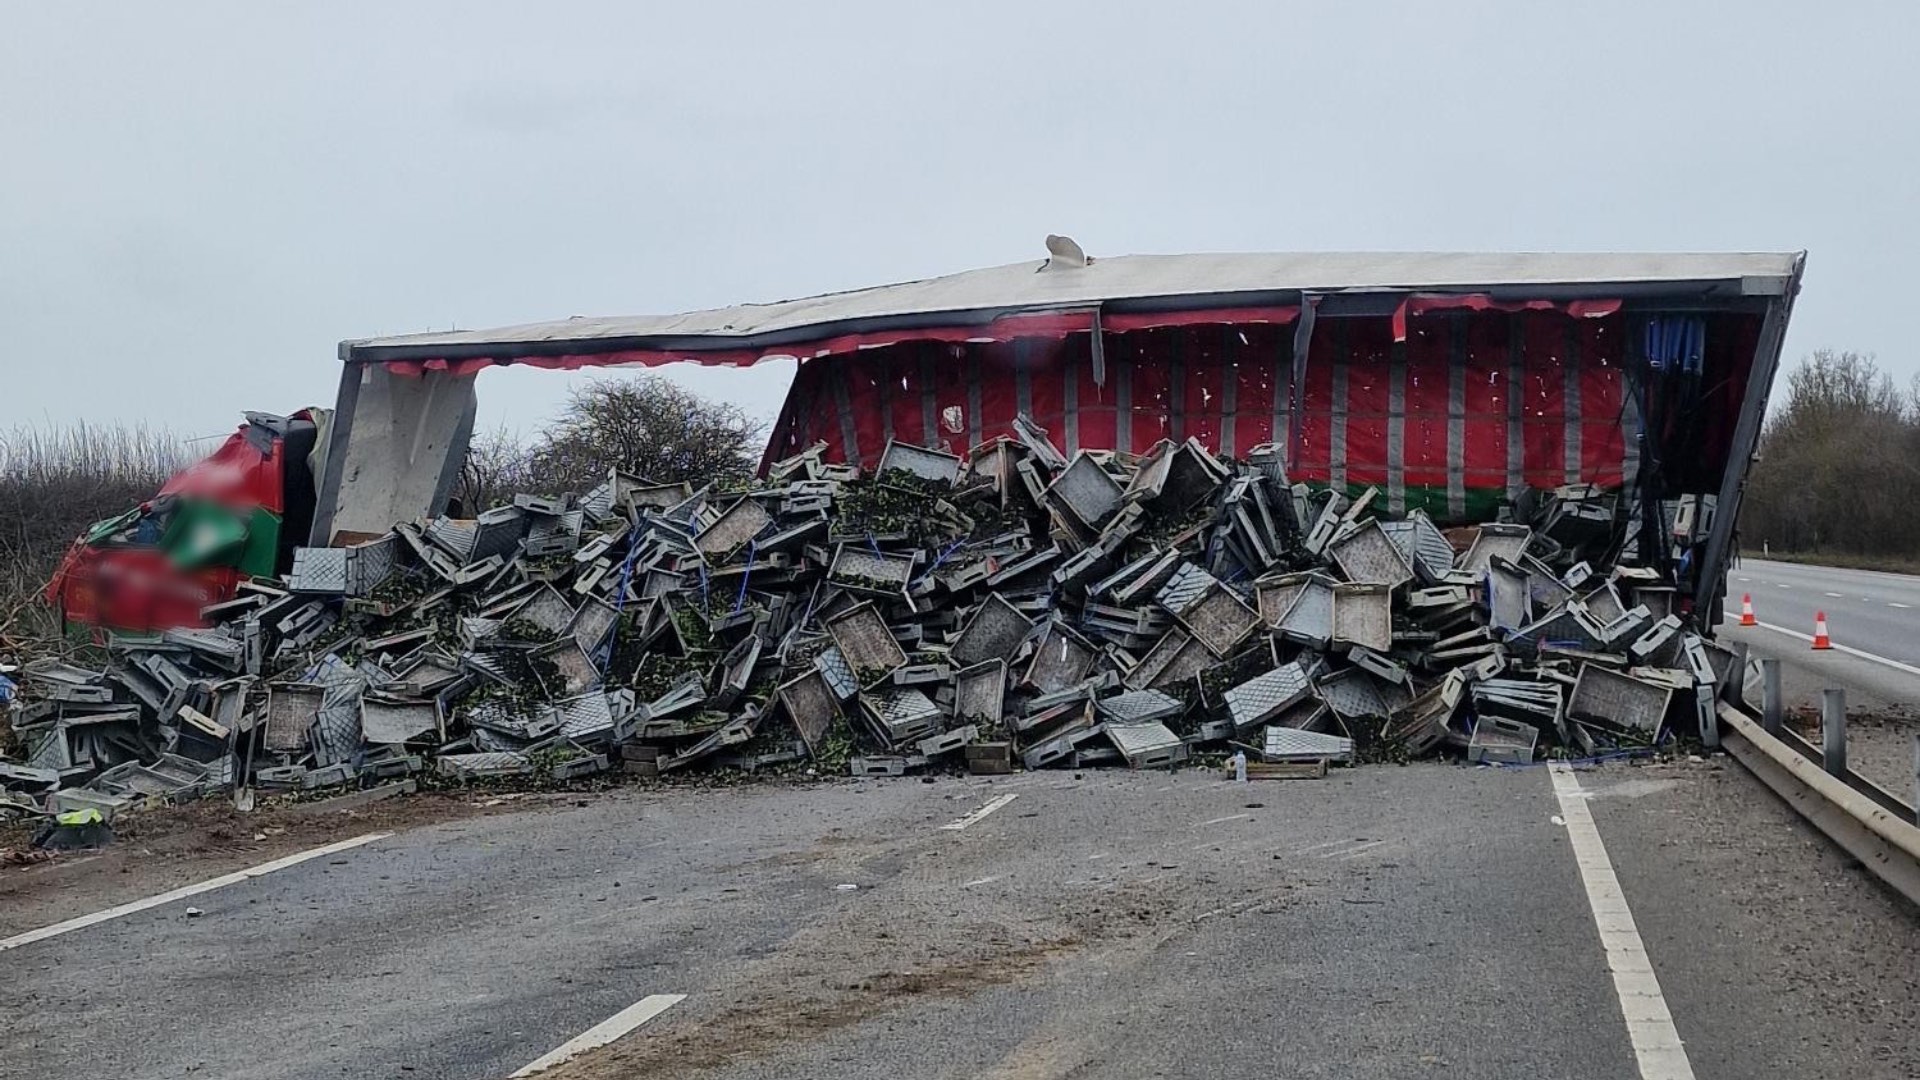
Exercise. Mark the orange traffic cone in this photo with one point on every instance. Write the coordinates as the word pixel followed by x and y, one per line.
pixel 1820 639
pixel 1746 610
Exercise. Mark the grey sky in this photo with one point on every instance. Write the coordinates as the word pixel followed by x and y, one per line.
pixel 198 201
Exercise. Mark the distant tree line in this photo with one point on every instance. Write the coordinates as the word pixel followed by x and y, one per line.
pixel 1839 465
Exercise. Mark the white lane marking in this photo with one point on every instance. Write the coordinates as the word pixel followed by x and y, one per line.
pixel 1835 595
pixel 84 921
pixel 1901 606
pixel 981 881
pixel 603 1032
pixel 1359 851
pixel 1782 585
pixel 1656 1045
pixel 1223 820
pixel 1848 649
pixel 1744 579
pixel 975 817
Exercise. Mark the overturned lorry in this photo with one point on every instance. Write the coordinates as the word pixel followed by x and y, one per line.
pixel 1453 383
pixel 1114 509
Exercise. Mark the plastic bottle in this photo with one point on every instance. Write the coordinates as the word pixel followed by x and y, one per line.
pixel 1239 766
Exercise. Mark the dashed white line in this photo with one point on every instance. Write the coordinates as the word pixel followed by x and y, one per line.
pixel 1657 1048
pixel 978 815
pixel 84 921
pixel 1901 606
pixel 981 881
pixel 602 1033
pixel 1223 820
pixel 1848 649
pixel 1743 579
pixel 1782 585
pixel 1359 851
pixel 1835 595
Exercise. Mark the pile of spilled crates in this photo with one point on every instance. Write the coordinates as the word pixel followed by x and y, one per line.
pixel 1010 607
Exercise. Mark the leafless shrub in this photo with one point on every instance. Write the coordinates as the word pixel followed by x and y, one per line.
pixel 56 481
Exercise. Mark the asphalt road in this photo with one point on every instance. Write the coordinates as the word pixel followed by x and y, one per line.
pixel 1384 922
pixel 1874 621
pixel 1868 610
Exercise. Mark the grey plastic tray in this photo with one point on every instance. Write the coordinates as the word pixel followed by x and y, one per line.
pixel 1363 615
pixel 1366 555
pixel 869 647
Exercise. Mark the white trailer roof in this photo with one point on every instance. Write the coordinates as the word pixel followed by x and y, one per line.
pixel 1026 285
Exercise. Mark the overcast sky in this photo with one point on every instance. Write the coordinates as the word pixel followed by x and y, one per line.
pixel 198 201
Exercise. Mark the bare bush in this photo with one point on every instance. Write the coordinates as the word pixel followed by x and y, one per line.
pixel 498 465
pixel 56 481
pixel 647 426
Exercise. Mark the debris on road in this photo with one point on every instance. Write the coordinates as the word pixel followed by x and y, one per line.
pixel 947 612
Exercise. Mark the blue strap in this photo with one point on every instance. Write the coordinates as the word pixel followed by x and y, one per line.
pixel 753 547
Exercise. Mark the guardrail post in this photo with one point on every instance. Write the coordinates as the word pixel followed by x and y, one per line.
pixel 1833 730
pixel 1737 681
pixel 1772 709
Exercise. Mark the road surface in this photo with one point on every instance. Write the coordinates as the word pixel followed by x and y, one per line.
pixel 1874 621
pixel 1419 921
pixel 1867 610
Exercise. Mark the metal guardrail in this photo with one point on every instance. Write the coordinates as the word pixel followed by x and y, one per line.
pixel 1867 821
